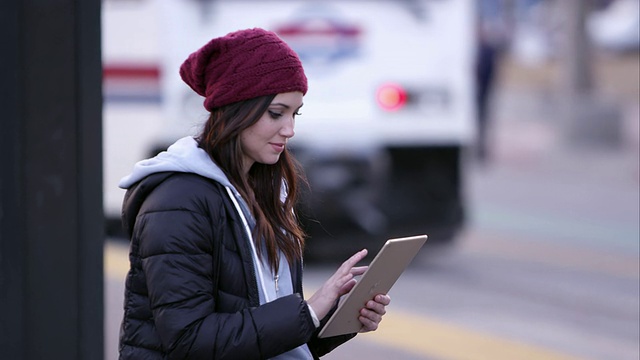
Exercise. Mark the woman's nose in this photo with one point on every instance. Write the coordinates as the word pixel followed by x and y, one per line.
pixel 287 129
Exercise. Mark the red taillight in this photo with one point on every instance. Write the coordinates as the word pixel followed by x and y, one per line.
pixel 391 97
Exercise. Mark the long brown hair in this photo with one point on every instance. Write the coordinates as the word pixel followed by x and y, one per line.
pixel 275 219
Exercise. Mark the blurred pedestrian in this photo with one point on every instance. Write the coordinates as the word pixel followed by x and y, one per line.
pixel 485 77
pixel 216 251
pixel 490 38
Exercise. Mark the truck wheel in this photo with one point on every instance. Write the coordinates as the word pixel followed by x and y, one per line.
pixel 424 192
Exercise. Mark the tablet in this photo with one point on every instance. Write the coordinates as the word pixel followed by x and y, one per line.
pixel 384 270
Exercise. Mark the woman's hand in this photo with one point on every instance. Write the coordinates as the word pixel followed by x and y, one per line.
pixel 340 283
pixel 371 314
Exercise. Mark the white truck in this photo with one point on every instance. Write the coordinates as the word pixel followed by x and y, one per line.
pixel 385 123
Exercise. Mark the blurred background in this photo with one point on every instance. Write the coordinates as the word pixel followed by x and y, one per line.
pixel 506 130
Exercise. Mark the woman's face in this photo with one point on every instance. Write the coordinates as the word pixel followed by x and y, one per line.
pixel 264 141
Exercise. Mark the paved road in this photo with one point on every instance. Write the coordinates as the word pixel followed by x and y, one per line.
pixel 548 269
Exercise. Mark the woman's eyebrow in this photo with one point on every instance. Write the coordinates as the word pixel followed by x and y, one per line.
pixel 284 105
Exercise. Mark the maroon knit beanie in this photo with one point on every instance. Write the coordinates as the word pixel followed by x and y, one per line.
pixel 242 65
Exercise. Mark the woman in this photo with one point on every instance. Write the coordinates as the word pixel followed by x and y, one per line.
pixel 216 251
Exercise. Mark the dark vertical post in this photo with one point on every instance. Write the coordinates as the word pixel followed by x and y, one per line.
pixel 12 208
pixel 51 220
pixel 591 120
pixel 576 56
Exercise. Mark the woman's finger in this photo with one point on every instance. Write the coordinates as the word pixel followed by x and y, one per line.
pixel 376 307
pixel 383 299
pixel 353 260
pixel 359 270
pixel 368 324
pixel 371 315
pixel 346 287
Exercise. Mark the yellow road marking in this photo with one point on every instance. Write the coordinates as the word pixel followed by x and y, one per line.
pixel 417 334
pixel 116 260
pixel 425 336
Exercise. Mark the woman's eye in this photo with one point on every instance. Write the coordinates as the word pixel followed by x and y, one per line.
pixel 297 113
pixel 274 115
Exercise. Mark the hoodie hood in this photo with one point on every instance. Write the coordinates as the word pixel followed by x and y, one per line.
pixel 183 156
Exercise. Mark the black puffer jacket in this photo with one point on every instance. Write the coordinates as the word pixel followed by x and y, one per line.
pixel 191 292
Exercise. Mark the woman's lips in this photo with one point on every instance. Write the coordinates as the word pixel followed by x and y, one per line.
pixel 278 146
